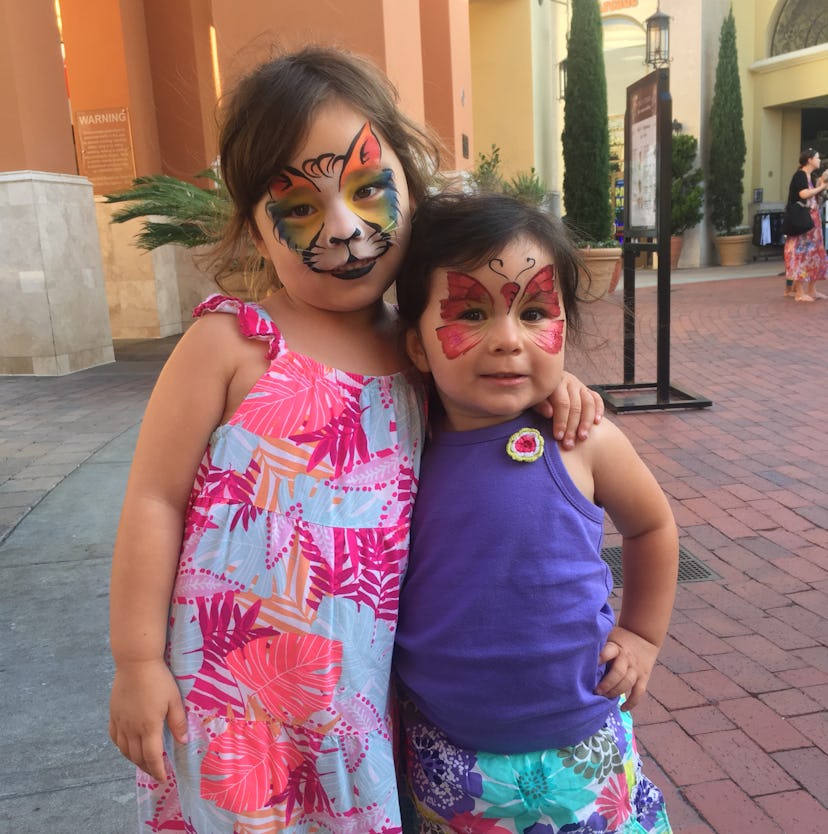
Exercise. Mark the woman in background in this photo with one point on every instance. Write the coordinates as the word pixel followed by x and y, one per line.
pixel 805 259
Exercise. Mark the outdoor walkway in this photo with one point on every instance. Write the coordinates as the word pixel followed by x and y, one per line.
pixel 736 725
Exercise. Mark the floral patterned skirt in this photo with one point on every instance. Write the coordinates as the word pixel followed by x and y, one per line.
pixel 593 787
pixel 805 258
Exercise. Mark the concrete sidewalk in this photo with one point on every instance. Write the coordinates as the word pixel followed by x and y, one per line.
pixel 736 725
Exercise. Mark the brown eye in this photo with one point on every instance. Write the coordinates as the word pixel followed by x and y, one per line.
pixel 366 192
pixel 533 314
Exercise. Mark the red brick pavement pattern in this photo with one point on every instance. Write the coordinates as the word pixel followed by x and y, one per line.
pixel 735 729
pixel 736 726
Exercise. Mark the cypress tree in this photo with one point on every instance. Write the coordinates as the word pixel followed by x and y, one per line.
pixel 687 190
pixel 585 135
pixel 726 162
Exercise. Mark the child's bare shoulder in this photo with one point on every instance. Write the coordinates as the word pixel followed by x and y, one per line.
pixel 217 333
pixel 589 460
pixel 215 346
pixel 603 438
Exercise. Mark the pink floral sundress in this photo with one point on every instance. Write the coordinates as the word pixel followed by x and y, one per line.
pixel 284 609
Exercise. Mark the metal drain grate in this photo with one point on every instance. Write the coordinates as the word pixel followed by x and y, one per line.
pixel 690 569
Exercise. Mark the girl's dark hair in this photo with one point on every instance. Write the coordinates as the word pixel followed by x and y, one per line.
pixel 268 115
pixel 465 231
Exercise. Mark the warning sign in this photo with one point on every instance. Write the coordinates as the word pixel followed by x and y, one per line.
pixel 103 142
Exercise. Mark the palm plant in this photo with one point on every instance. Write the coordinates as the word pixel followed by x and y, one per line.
pixel 524 185
pixel 174 210
pixel 527 186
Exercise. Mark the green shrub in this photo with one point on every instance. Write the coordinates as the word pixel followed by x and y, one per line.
pixel 527 186
pixel 486 174
pixel 687 190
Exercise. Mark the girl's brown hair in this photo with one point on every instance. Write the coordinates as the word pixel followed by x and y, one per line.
pixel 465 231
pixel 266 119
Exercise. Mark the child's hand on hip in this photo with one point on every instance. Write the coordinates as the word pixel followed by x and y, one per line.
pixel 630 660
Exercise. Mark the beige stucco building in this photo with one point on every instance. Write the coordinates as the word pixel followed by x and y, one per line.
pixel 516 46
pixel 96 92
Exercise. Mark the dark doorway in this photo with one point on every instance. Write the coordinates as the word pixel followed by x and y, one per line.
pixel 815 129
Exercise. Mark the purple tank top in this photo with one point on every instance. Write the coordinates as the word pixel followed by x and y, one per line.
pixel 505 605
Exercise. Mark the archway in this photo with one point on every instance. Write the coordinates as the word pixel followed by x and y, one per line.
pixel 800 24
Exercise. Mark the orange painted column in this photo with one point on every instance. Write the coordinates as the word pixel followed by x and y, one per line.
pixel 37 134
pixel 178 37
pixel 125 75
pixel 387 31
pixel 108 68
pixel 446 54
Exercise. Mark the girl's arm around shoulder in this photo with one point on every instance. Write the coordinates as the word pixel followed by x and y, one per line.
pixel 639 509
pixel 189 400
pixel 573 408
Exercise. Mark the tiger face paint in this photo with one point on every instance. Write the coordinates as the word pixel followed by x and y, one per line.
pixel 336 221
pixel 337 208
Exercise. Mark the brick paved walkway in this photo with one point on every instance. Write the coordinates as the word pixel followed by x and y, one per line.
pixel 736 728
pixel 737 722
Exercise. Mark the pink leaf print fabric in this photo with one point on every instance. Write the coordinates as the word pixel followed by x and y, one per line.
pixel 285 407
pixel 291 675
pixel 283 613
pixel 246 765
pixel 224 628
pixel 342 440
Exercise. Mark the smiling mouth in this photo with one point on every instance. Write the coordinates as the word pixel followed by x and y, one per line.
pixel 354 269
pixel 505 378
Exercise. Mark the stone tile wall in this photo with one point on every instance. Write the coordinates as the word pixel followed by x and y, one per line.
pixel 54 317
pixel 151 295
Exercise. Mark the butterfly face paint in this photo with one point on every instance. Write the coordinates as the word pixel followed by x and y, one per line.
pixel 541 291
pixel 492 337
pixel 469 308
pixel 340 212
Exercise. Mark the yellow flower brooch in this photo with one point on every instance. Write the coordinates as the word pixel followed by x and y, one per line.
pixel 525 445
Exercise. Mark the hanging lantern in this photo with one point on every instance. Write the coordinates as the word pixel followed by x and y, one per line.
pixel 658 39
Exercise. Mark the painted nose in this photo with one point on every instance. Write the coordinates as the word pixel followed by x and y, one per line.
pixel 504 336
pixel 342 226
pixel 353 236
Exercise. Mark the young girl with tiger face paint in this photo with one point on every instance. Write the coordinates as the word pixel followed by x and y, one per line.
pixel 334 222
pixel 516 679
pixel 264 532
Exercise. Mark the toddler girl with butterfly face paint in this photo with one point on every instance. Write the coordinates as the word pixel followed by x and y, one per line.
pixel 516 680
pixel 264 533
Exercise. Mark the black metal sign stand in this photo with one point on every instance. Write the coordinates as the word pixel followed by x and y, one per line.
pixel 648 99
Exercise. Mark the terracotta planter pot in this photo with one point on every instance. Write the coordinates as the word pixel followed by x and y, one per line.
pixel 616 274
pixel 676 242
pixel 733 250
pixel 601 265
